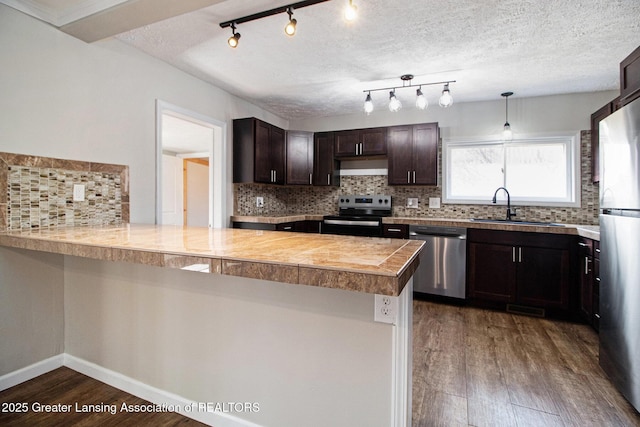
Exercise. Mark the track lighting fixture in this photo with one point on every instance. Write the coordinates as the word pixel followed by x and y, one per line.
pixel 446 100
pixel 290 28
pixel 422 103
pixel 507 134
pixel 351 11
pixel 235 38
pixel 394 102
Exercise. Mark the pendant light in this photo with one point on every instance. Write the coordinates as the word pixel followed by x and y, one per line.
pixel 507 134
pixel 394 102
pixel 446 100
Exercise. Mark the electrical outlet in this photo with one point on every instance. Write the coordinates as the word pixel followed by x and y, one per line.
pixel 260 202
pixel 412 202
pixel 385 309
pixel 434 202
pixel 78 192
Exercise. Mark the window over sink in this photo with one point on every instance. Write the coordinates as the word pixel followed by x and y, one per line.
pixel 537 170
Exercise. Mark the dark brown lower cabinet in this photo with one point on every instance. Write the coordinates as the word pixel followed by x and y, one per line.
pixel 533 270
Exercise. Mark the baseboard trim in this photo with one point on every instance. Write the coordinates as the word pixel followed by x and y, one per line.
pixel 124 383
pixel 29 372
pixel 153 394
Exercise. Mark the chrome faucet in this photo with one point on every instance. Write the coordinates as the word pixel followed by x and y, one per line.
pixel 510 213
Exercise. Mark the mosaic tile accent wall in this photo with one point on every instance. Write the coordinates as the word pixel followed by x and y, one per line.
pixel 289 200
pixel 39 193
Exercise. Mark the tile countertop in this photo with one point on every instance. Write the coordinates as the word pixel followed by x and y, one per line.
pixel 588 231
pixel 371 265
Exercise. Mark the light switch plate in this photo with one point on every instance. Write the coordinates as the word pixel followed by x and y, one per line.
pixel 434 202
pixel 259 202
pixel 78 192
pixel 412 202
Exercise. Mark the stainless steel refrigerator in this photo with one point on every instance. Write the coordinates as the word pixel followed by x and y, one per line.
pixel 620 250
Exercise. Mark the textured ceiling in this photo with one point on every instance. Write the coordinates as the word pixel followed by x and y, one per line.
pixel 532 48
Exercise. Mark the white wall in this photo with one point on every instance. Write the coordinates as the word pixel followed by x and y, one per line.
pixel 64 98
pixel 558 113
pixel 31 308
pixel 310 356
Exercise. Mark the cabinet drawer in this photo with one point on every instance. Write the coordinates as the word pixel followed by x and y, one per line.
pixel 396 231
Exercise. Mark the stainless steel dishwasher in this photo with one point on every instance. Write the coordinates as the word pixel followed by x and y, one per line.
pixel 442 269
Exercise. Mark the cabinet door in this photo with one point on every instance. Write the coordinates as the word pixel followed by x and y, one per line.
pixel 262 171
pixel 299 157
pixel 425 153
pixel 278 154
pixel 586 278
pixel 374 141
pixel 491 272
pixel 400 155
pixel 324 164
pixel 630 77
pixel 543 277
pixel 346 143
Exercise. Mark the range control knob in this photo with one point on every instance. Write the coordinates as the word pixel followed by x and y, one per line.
pixel 341 200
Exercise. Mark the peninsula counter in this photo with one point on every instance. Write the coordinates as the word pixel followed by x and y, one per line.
pixel 283 322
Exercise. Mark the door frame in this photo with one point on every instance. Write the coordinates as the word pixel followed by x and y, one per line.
pixel 217 155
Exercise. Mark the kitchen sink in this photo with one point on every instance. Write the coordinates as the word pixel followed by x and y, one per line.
pixel 518 222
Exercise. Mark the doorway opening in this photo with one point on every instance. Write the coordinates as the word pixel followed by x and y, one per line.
pixel 189 168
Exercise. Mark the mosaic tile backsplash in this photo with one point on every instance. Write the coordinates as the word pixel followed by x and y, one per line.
pixel 289 200
pixel 39 193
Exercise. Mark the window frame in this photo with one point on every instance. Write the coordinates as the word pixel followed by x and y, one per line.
pixel 571 140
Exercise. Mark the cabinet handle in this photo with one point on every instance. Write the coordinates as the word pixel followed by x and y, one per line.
pixel 598 250
pixel 414 177
pixel 597 279
pixel 275 176
pixel 597 316
pixel 394 230
pixel 361 148
pixel 513 254
pixel 310 178
pixel 408 177
pixel 586 265
pixel 328 179
pixel 287 228
pixel 520 254
pixel 584 245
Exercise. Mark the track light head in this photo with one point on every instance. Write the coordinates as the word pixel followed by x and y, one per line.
pixel 351 11
pixel 368 104
pixel 394 102
pixel 446 100
pixel 421 100
pixel 235 38
pixel 290 28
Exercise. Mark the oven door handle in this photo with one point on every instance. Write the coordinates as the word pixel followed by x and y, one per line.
pixel 356 223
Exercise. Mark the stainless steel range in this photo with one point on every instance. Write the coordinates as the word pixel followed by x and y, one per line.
pixel 358 215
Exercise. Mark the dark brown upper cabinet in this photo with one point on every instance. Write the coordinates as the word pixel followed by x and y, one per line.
pixel 360 142
pixel 413 154
pixel 299 158
pixel 630 77
pixel 258 152
pixel 326 171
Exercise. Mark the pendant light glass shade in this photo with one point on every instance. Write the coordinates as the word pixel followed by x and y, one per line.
pixel 446 100
pixel 368 105
pixel 507 135
pixel 394 102
pixel 421 100
pixel 351 11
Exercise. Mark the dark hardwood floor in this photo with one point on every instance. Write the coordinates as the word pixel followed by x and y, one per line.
pixel 471 367
pixel 475 367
